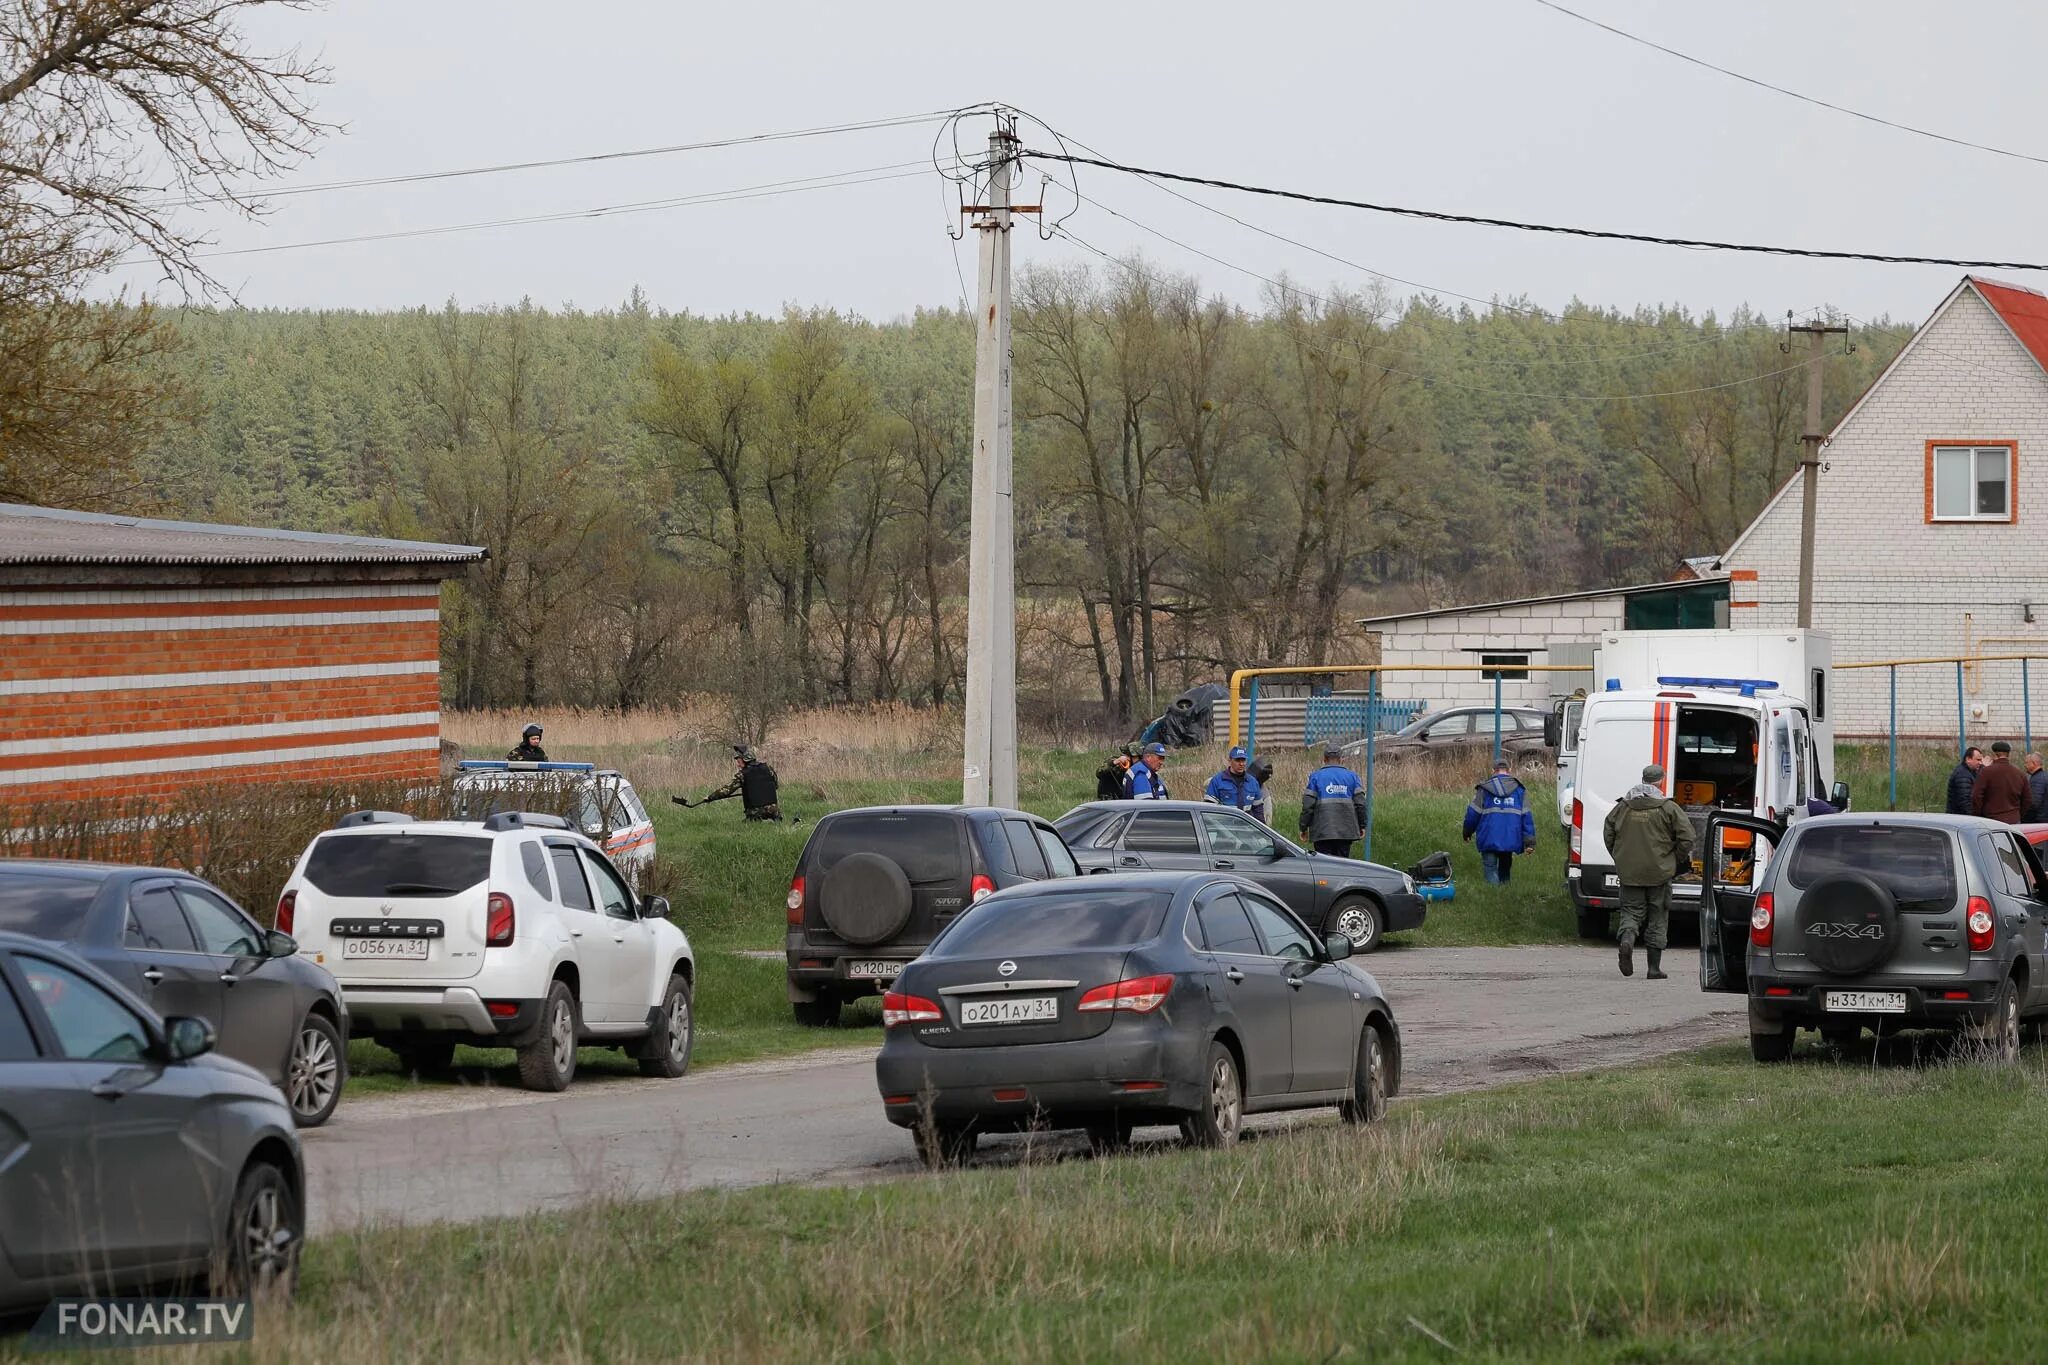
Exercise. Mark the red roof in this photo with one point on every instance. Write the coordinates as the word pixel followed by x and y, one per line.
pixel 2024 310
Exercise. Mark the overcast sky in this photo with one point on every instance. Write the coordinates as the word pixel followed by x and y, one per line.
pixel 1496 107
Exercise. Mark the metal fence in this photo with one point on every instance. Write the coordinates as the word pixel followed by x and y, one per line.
pixel 1346 718
pixel 1958 662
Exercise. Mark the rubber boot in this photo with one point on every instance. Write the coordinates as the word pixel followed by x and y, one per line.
pixel 1627 955
pixel 1656 972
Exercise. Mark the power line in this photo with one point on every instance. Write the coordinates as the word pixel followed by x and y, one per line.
pixel 1794 94
pixel 838 180
pixel 1436 215
pixel 1429 380
pixel 1717 340
pixel 375 181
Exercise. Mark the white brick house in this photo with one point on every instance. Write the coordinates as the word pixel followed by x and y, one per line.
pixel 1931 505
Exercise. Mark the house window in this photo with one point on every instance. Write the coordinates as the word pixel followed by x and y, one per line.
pixel 1972 482
pixel 1507 667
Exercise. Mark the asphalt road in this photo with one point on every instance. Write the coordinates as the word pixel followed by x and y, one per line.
pixel 1470 1018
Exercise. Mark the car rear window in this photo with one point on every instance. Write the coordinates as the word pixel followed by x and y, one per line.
pixel 398 864
pixel 45 907
pixel 1045 924
pixel 925 844
pixel 1917 865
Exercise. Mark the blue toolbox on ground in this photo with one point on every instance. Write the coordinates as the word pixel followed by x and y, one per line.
pixel 1433 877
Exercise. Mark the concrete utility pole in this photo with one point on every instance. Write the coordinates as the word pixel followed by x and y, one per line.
pixel 1809 462
pixel 989 775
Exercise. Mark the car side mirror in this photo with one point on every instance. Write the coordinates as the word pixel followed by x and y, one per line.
pixel 654 907
pixel 1553 731
pixel 186 1037
pixel 1336 947
pixel 277 943
pixel 1275 852
pixel 1839 797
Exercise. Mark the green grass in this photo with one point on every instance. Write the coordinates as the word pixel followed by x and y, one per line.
pixel 1702 1209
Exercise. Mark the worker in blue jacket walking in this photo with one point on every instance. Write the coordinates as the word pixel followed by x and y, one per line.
pixel 1333 806
pixel 1235 786
pixel 1145 783
pixel 1500 816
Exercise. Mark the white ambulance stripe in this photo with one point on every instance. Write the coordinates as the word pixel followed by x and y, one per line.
pixel 16 597
pixel 87 625
pixel 25 687
pixel 200 762
pixel 338 725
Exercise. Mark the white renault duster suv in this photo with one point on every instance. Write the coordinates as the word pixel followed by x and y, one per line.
pixel 515 931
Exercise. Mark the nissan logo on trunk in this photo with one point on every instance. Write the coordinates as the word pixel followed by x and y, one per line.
pixel 1007 969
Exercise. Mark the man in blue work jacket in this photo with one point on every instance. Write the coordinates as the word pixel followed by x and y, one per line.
pixel 1500 816
pixel 1235 787
pixel 1333 806
pixel 1145 783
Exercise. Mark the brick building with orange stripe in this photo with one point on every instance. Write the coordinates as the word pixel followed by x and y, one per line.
pixel 138 657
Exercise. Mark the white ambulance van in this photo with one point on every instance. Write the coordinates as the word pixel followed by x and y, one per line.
pixel 1754 738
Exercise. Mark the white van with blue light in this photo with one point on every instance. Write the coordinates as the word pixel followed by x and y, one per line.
pixel 1725 743
pixel 598 801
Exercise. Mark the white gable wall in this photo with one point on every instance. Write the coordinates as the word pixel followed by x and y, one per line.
pixel 1455 638
pixel 1887 583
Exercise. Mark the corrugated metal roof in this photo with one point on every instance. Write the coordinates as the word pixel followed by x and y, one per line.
pixel 2024 310
pixel 46 535
pixel 1632 590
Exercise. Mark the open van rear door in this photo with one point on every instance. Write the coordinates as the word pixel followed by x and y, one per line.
pixel 1735 849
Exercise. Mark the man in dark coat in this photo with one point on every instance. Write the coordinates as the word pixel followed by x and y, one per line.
pixel 1333 805
pixel 528 749
pixel 2037 788
pixel 2000 792
pixel 753 782
pixel 1963 779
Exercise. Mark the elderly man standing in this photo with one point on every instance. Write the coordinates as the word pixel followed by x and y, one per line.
pixel 1650 839
pixel 2001 791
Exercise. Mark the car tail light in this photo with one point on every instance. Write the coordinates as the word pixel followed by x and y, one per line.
pixel 796 900
pixel 1980 924
pixel 1955 995
pixel 1138 994
pixel 982 885
pixel 502 1009
pixel 1578 828
pixel 287 911
pixel 498 919
pixel 1760 921
pixel 898 1008
pixel 1011 1094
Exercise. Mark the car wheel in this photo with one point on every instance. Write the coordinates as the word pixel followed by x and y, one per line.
pixel 266 1229
pixel 1358 919
pixel 820 1013
pixel 1217 1122
pixel 1772 1047
pixel 1368 1102
pixel 315 1071
pixel 666 1053
pixel 1593 923
pixel 427 1057
pixel 940 1145
pixel 1108 1136
pixel 549 1061
pixel 1999 1034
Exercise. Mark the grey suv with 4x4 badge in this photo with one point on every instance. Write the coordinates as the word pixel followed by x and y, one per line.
pixel 1881 922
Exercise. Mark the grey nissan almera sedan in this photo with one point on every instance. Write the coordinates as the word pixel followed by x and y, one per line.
pixel 1112 1003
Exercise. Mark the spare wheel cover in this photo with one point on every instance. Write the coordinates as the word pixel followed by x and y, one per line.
pixel 1848 924
pixel 865 898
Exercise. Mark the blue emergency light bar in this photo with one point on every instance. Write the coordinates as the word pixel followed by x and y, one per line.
pixel 1748 687
pixel 509 766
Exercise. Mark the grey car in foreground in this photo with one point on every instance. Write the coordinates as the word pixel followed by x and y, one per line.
pixel 130 1158
pixel 184 948
pixel 1879 922
pixel 1109 1004
pixel 1360 900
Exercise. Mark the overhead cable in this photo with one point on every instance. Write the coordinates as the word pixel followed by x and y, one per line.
pixel 1436 215
pixel 1794 94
